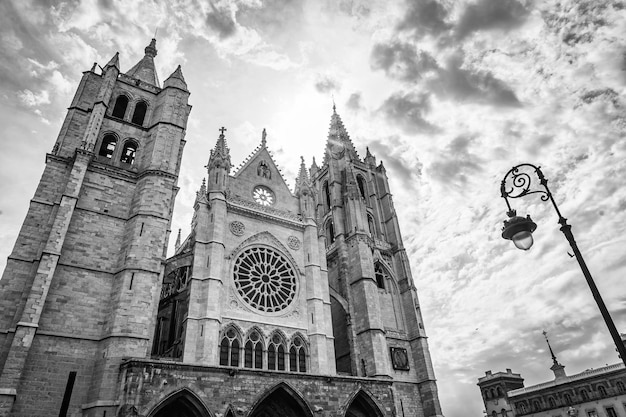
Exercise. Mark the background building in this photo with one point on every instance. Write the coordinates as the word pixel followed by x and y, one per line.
pixel 597 392
pixel 278 303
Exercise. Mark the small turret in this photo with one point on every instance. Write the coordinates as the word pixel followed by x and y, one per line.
pixel 369 159
pixel 176 79
pixel 113 62
pixel 314 168
pixel 219 164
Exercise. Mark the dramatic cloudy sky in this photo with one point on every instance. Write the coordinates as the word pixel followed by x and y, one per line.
pixel 449 94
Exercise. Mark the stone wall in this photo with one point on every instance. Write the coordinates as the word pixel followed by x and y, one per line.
pixel 148 384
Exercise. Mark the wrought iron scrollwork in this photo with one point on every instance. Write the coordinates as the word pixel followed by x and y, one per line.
pixel 518 183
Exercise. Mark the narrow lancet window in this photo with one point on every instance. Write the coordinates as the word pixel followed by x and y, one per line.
pixel 297 355
pixel 140 113
pixel 229 348
pixel 119 110
pixel 253 353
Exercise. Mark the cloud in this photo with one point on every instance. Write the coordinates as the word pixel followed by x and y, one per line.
pixel 402 61
pixel 490 14
pixel 272 17
pixel 358 9
pixel 221 19
pixel 30 99
pixel 425 17
pixel 326 84
pixel 408 109
pixel 478 86
pixel 391 151
pixel 11 41
pixel 354 101
pixel 455 164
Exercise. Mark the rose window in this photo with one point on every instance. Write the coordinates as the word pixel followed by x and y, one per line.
pixel 265 279
pixel 263 196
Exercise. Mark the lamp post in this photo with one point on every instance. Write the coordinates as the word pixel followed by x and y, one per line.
pixel 518 183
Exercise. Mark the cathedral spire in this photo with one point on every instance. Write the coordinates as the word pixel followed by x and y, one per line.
pixel 338 138
pixel 144 70
pixel 557 368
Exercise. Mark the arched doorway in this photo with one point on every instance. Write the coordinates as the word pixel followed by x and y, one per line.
pixel 183 403
pixel 282 401
pixel 363 406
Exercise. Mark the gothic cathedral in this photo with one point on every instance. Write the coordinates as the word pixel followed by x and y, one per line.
pixel 280 302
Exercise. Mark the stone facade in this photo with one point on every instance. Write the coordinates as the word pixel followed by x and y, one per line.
pixel 279 302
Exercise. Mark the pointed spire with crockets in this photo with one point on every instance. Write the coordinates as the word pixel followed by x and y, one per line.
pixel 338 138
pixel 302 181
pixel 144 70
pixel 369 158
pixel 220 155
pixel 177 244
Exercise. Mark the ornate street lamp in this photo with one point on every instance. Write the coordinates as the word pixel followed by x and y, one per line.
pixel 517 183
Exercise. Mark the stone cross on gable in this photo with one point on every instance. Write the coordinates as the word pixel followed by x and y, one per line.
pixel 222 130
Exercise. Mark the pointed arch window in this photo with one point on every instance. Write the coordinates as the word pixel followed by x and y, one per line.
pixel 128 152
pixel 499 391
pixel 229 348
pixel 297 355
pixel 552 402
pixel 276 354
pixel 370 224
pixel 253 353
pixel 522 408
pixel 381 276
pixel 140 113
pixel 362 187
pixel 119 109
pixel 330 232
pixel 567 398
pixel 326 195
pixel 108 146
pixel 620 386
pixel 602 390
pixel 503 412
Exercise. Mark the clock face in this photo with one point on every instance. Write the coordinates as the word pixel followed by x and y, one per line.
pixel 263 195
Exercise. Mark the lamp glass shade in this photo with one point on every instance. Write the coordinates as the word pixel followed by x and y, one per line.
pixel 523 239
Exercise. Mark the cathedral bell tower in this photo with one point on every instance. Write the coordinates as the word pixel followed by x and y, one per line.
pixel 81 286
pixel 377 325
